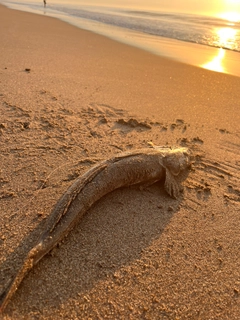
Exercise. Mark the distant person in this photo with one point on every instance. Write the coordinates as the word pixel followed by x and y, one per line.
pixel 45 3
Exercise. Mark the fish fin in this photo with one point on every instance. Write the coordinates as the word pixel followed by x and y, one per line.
pixel 13 284
pixel 172 164
pixel 171 185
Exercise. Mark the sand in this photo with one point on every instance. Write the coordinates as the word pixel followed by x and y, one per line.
pixel 66 100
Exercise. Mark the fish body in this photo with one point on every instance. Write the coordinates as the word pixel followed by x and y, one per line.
pixel 143 166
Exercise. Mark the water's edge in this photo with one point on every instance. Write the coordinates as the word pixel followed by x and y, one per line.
pixel 215 59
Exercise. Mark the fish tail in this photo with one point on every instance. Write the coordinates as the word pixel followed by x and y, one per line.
pixel 13 285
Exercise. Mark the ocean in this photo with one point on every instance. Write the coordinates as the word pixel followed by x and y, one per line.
pixel 153 30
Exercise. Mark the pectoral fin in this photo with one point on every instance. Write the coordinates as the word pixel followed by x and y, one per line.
pixel 171 185
pixel 172 164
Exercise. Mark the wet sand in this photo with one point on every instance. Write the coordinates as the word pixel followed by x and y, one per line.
pixel 67 97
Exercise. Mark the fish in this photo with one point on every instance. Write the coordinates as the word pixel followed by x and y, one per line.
pixel 138 167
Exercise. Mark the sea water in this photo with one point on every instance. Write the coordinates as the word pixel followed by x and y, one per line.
pixel 151 29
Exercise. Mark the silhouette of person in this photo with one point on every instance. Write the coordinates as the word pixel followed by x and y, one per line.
pixel 44 2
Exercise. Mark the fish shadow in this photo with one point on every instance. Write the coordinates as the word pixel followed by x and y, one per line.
pixel 113 234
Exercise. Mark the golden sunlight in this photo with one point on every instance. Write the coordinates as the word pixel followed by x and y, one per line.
pixel 231 16
pixel 226 37
pixel 216 64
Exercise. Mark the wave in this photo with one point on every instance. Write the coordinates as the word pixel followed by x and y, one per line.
pixel 204 30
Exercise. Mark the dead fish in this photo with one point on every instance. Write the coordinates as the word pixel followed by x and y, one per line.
pixel 143 166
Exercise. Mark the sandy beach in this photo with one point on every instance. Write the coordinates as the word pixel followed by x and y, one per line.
pixel 70 98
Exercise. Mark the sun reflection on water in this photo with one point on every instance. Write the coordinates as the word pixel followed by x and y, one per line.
pixel 226 37
pixel 216 64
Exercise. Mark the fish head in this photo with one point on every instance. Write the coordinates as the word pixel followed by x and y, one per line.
pixel 175 159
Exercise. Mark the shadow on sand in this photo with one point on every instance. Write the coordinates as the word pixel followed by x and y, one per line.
pixel 114 233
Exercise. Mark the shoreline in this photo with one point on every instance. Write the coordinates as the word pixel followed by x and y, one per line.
pixel 206 57
pixel 69 99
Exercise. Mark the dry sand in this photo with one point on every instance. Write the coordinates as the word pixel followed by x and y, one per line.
pixel 137 254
